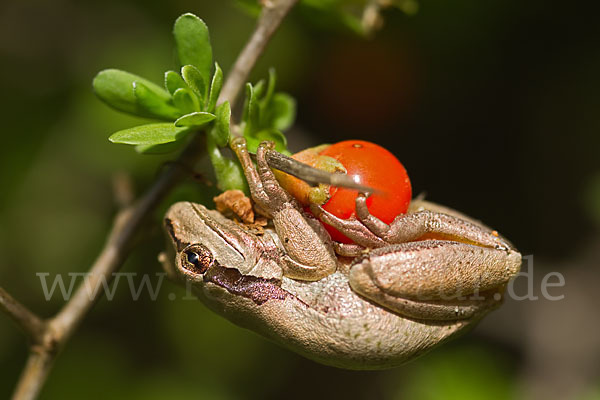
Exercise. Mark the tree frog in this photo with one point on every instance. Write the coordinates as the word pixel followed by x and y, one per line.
pixel 400 290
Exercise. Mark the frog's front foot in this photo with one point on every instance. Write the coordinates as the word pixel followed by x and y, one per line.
pixel 309 253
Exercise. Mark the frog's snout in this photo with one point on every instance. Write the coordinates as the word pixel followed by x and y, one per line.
pixel 513 262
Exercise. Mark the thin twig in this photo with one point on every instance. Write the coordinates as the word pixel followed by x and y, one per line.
pixel 123 190
pixel 34 374
pixel 273 13
pixel 128 222
pixel 25 319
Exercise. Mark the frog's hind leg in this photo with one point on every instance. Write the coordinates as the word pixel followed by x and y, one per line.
pixel 435 279
pixel 425 224
pixel 351 228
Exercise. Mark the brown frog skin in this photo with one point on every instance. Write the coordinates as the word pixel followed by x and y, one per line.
pixel 415 284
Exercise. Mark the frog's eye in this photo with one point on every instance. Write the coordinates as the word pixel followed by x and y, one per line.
pixel 196 258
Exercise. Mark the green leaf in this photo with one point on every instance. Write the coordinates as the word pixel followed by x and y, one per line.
pixel 155 103
pixel 193 44
pixel 163 148
pixel 268 134
pixel 149 134
pixel 281 112
pixel 259 89
pixel 186 101
pixel 266 113
pixel 228 172
pixel 195 119
pixel 215 88
pixel 248 101
pixel 194 79
pixel 220 131
pixel 173 81
pixel 270 85
pixel 115 88
pixel 250 115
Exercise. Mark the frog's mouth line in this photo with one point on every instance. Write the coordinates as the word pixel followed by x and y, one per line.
pixel 259 290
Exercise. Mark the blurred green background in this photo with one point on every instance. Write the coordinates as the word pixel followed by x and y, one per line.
pixel 492 106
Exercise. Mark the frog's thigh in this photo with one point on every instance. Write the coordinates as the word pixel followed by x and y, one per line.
pixel 434 279
pixel 424 310
pixel 311 254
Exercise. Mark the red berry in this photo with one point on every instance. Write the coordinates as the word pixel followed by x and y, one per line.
pixel 373 166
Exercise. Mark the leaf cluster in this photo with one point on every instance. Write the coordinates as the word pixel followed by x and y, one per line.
pixel 187 104
pixel 188 99
pixel 267 114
